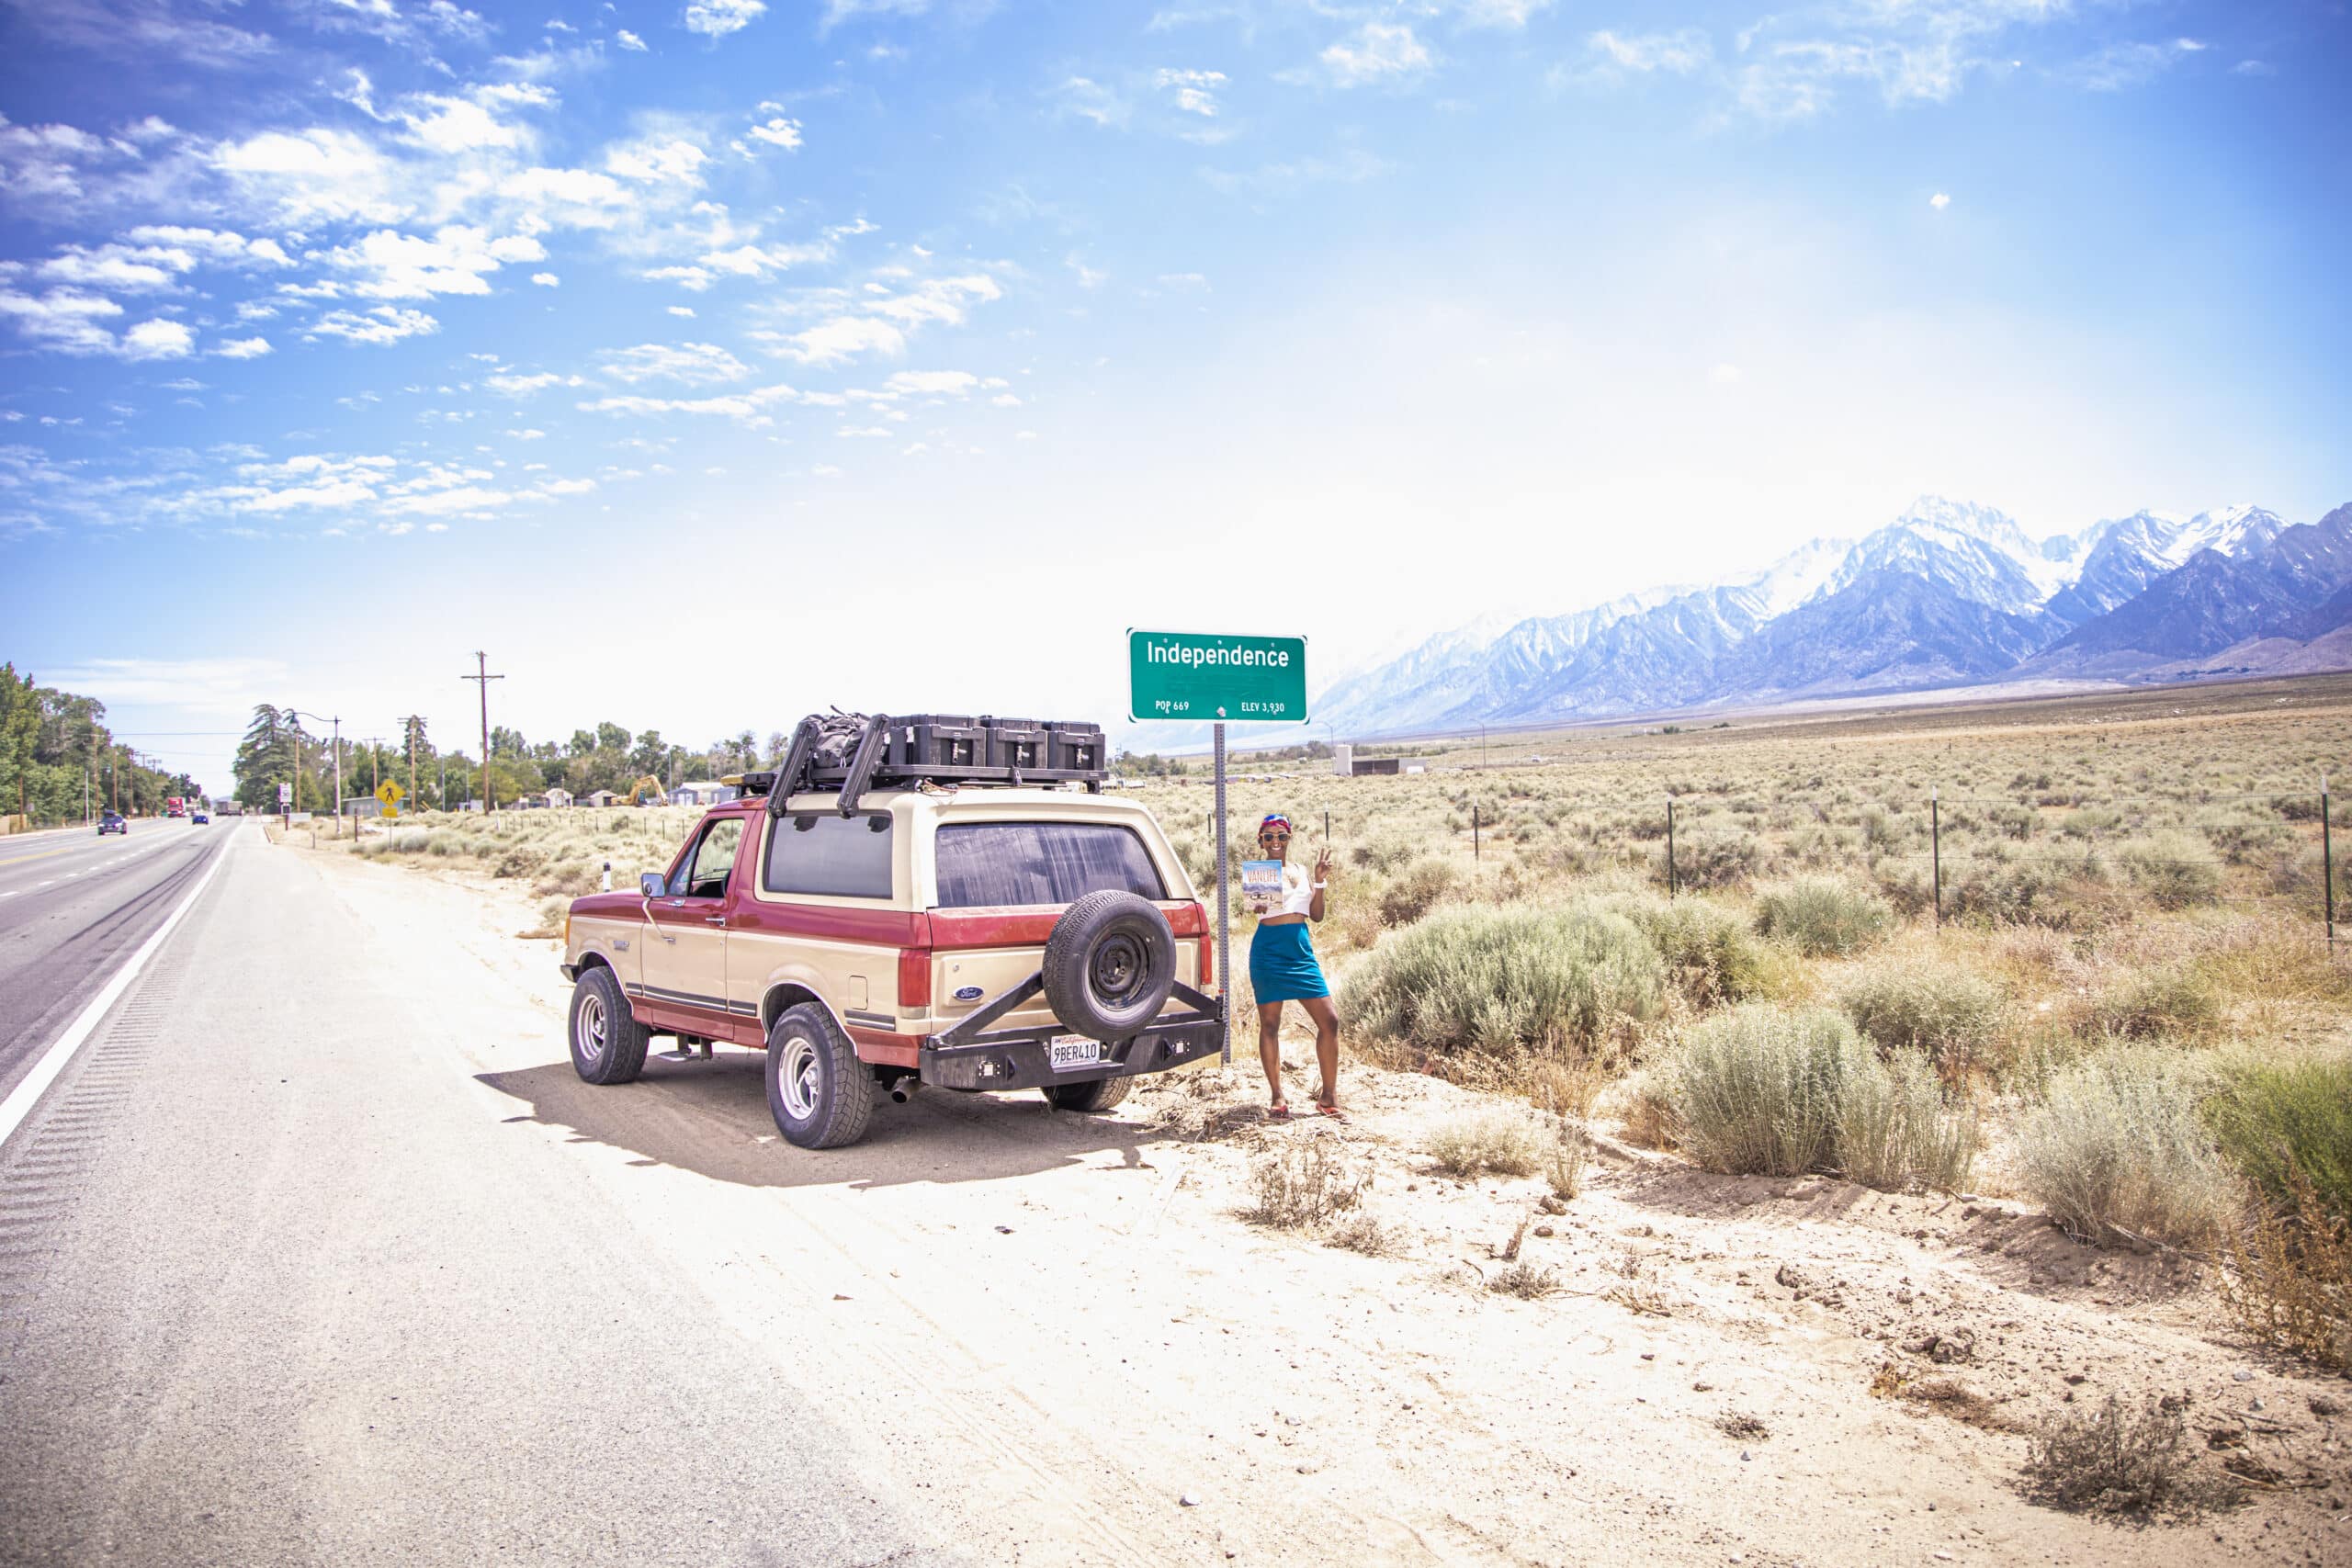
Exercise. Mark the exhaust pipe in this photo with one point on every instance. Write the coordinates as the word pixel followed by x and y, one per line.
pixel 903 1088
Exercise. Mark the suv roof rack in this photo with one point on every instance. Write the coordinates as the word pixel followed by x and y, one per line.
pixel 852 752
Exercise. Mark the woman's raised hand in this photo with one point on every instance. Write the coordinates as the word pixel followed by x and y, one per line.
pixel 1323 863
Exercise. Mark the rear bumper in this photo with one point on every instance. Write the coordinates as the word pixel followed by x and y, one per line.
pixel 1019 1058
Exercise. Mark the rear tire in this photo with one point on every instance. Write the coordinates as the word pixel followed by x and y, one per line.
pixel 607 1043
pixel 1103 1094
pixel 820 1093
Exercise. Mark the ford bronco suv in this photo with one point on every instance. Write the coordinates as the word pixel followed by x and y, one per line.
pixel 936 900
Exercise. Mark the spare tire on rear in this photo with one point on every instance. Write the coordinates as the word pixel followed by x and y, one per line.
pixel 1110 962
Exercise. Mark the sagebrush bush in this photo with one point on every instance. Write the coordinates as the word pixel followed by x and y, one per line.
pixel 1940 1008
pixel 1822 916
pixel 2024 893
pixel 1711 857
pixel 2288 1277
pixel 2118 1150
pixel 2115 1460
pixel 1305 1186
pixel 1416 890
pixel 1710 953
pixel 1497 1140
pixel 2175 1000
pixel 2174 871
pixel 1500 979
pixel 1778 1091
pixel 2276 1120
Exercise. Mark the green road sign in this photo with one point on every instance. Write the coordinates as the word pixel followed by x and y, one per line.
pixel 1201 675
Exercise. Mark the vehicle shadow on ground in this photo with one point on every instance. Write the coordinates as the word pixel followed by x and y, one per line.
pixel 711 1117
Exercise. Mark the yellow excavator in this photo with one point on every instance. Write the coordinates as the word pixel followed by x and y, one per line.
pixel 648 790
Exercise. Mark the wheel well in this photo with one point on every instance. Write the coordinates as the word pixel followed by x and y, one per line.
pixel 591 961
pixel 779 998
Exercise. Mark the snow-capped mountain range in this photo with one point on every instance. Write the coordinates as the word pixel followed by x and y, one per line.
pixel 1947 593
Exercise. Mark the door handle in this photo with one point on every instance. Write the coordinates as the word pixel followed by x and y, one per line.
pixel 714 920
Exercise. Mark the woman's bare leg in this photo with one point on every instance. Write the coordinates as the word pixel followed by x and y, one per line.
pixel 1270 1048
pixel 1327 1047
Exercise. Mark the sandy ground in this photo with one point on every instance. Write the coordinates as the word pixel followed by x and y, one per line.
pixel 1075 1352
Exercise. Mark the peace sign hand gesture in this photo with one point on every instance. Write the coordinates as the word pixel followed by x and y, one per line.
pixel 1323 863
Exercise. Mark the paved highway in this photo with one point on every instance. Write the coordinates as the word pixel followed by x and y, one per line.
pixel 283 1281
pixel 73 906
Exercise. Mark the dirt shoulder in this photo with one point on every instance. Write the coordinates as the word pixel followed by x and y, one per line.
pixel 1077 1351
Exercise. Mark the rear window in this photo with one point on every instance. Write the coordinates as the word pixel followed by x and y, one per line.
pixel 845 857
pixel 983 864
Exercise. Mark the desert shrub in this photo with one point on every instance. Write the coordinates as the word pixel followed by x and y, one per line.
pixel 1709 952
pixel 1494 1140
pixel 1361 1232
pixel 1303 1186
pixel 1500 978
pixel 1711 857
pixel 2115 1460
pixel 408 840
pixel 1528 1281
pixel 1942 1009
pixel 2117 1149
pixel 1417 891
pixel 2240 836
pixel 1565 1162
pixel 2288 1277
pixel 2173 871
pixel 1754 1091
pixel 2152 1003
pixel 2023 893
pixel 519 861
pixel 2276 1120
pixel 2298 873
pixel 1822 916
pixel 1895 1127
pixel 1385 852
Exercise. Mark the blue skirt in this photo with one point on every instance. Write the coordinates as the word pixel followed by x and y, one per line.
pixel 1282 966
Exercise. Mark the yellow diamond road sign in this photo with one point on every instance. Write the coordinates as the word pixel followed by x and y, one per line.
pixel 389 795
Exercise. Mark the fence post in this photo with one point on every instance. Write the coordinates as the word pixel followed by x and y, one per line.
pixel 1935 847
pixel 1669 846
pixel 1473 831
pixel 2327 864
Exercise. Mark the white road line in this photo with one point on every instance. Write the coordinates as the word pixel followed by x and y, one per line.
pixel 21 1099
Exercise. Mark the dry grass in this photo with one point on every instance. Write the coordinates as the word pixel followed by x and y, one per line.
pixel 2120 1461
pixel 2287 1278
pixel 1500 1142
pixel 1305 1186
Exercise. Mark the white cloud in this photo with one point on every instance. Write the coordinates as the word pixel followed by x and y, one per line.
pixel 546 279
pixel 1675 53
pixel 684 312
pixel 691 364
pixel 1939 202
pixel 515 386
pixel 717 19
pixel 63 319
pixel 1090 100
pixel 1378 52
pixel 320 173
pixel 2123 65
pixel 385 323
pixel 630 41
pixel 243 348
pixel 842 339
pixel 932 383
pixel 1196 91
pixel 566 487
pixel 655 160
pixel 778 131
pixel 747 407
pixel 158 339
pixel 455 260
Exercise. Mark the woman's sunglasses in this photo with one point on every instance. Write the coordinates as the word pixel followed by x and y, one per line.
pixel 1274 837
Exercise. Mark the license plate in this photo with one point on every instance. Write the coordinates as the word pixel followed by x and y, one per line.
pixel 1068 1050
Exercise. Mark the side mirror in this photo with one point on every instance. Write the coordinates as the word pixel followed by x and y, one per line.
pixel 652 885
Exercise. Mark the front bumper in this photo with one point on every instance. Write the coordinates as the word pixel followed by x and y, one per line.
pixel 1019 1058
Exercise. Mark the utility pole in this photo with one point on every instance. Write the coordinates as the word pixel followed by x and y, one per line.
pixel 412 723
pixel 483 678
pixel 297 728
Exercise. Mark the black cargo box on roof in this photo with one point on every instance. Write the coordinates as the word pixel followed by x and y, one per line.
pixel 854 752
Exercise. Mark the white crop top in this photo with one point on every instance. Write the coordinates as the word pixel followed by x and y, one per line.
pixel 1298 890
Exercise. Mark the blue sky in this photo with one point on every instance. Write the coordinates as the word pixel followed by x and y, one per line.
pixel 706 361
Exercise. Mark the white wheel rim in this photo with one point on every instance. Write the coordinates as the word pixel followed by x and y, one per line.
pixel 588 1030
pixel 797 1075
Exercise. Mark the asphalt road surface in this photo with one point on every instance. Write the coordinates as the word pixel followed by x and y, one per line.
pixel 281 1282
pixel 73 905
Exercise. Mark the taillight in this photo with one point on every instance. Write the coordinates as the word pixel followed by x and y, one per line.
pixel 1208 949
pixel 914 977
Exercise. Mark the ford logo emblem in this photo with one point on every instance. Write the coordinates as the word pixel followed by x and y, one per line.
pixel 968 993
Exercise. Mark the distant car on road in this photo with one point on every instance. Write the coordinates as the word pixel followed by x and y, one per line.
pixel 201 818
pixel 112 822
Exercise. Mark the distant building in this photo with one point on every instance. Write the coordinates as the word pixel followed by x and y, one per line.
pixel 559 798
pixel 599 797
pixel 702 793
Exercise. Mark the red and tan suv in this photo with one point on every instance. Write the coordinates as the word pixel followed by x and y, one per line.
pixel 976 936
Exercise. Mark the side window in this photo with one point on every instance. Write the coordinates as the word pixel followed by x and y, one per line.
pixel 828 853
pixel 703 874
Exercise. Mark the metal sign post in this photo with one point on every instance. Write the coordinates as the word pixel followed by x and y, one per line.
pixel 1197 675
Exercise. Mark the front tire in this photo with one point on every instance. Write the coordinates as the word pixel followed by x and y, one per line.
pixel 1103 1094
pixel 820 1093
pixel 607 1043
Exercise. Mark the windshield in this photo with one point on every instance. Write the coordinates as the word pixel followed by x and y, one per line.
pixel 985 863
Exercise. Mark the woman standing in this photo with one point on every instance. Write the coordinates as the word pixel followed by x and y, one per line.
pixel 1282 968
